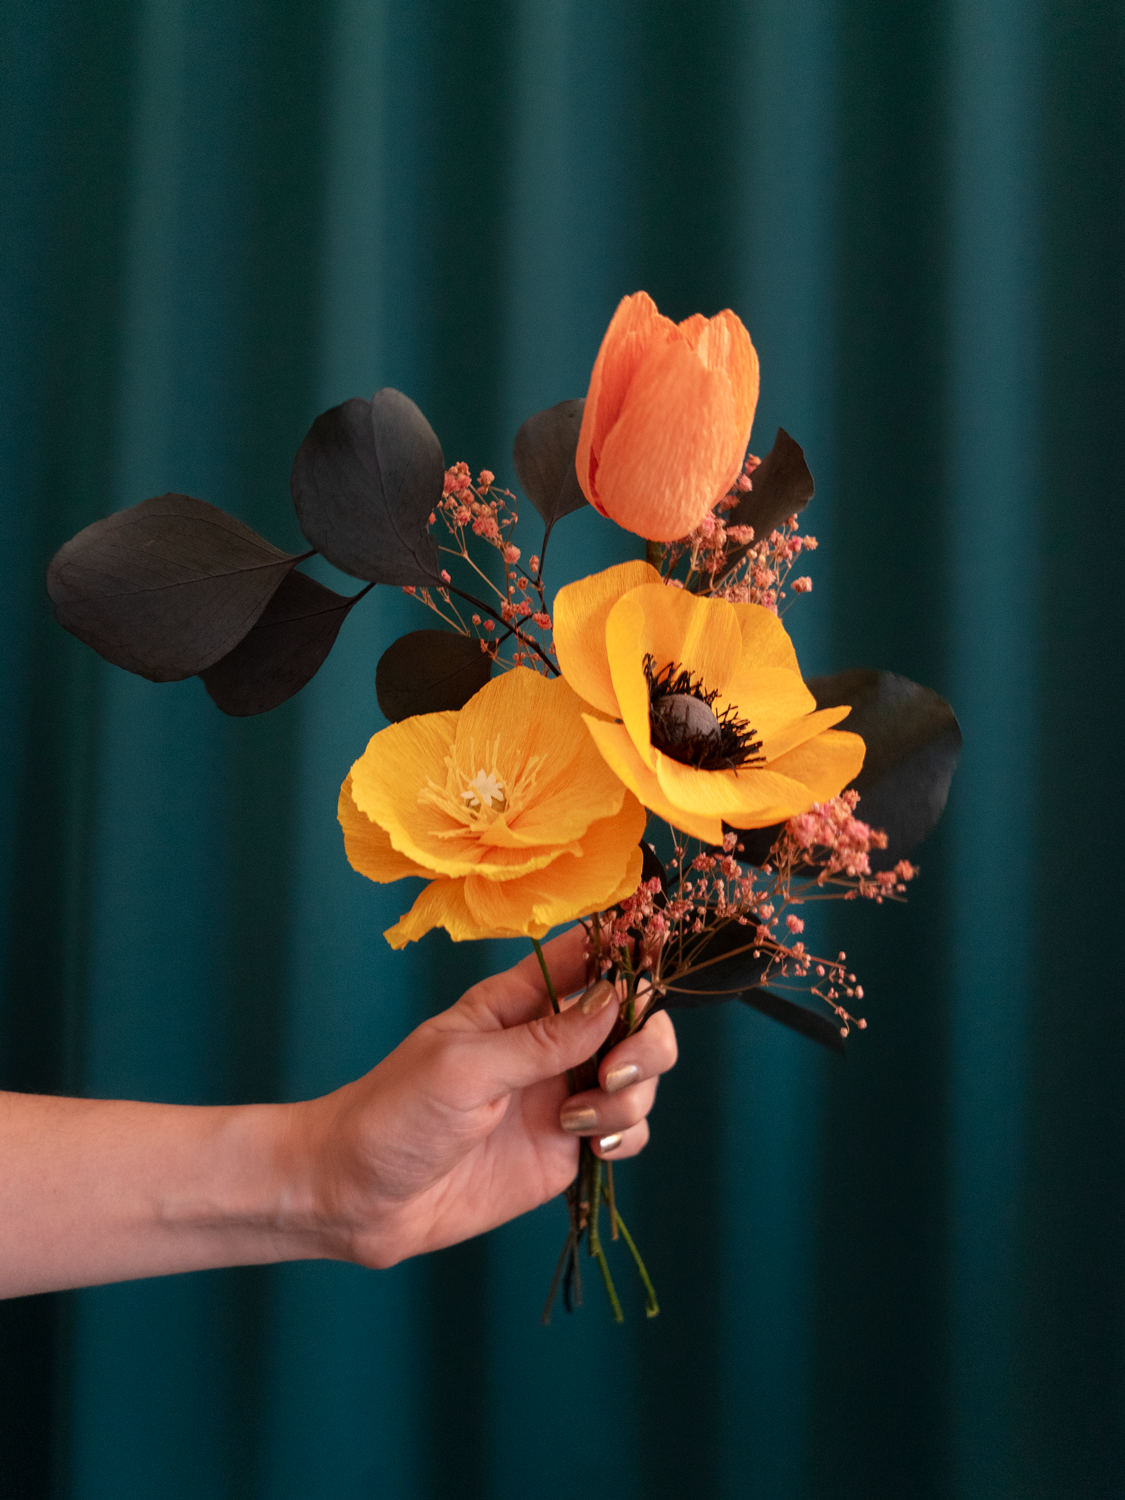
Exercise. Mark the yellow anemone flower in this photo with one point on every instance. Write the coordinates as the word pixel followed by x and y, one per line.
pixel 505 806
pixel 713 721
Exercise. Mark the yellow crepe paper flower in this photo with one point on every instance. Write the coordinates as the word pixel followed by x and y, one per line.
pixel 505 806
pixel 713 721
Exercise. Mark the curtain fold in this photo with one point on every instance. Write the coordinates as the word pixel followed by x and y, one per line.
pixel 899 1275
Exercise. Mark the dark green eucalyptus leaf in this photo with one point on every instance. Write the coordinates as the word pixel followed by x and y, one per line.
pixel 428 672
pixel 801 1018
pixel 913 741
pixel 724 962
pixel 284 651
pixel 543 453
pixel 165 588
pixel 782 487
pixel 365 481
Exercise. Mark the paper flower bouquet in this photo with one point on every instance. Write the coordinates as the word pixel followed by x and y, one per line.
pixel 637 752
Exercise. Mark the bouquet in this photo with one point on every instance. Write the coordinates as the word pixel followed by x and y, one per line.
pixel 636 751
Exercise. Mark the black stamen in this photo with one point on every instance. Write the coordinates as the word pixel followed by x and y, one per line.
pixel 686 728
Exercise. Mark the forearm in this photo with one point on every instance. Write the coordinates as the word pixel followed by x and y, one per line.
pixel 93 1191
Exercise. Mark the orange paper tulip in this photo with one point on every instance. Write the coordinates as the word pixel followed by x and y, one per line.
pixel 667 418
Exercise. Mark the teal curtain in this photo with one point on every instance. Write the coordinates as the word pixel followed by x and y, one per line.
pixel 896 1276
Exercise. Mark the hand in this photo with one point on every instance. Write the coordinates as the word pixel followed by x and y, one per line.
pixel 468 1123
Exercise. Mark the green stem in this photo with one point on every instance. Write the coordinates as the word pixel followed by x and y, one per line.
pixel 546 975
pixel 611 1200
pixel 610 1290
pixel 654 554
pixel 652 1307
pixel 545 1319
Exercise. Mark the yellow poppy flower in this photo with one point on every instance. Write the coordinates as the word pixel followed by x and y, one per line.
pixel 713 721
pixel 505 806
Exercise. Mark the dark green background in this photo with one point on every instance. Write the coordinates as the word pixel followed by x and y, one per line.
pixel 897 1276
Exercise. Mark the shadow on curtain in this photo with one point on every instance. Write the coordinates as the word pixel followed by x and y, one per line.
pixel 899 1276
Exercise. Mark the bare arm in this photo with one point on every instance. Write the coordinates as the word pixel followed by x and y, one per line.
pixel 459 1129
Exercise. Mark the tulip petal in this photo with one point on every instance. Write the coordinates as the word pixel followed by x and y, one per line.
pixel 674 447
pixel 614 742
pixel 580 614
pixel 636 326
pixel 723 343
pixel 368 847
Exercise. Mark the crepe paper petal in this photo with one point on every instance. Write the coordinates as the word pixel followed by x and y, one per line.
pixel 825 764
pixel 508 792
pixel 283 651
pixel 765 640
pixel 667 419
pixel 635 329
pixel 621 754
pixel 750 798
pixel 166 588
pixel 440 904
pixel 429 671
pixel 364 483
pixel 775 703
pixel 368 846
pixel 572 885
pixel 675 627
pixel 580 614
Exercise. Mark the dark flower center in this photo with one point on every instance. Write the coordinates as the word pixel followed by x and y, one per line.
pixel 685 727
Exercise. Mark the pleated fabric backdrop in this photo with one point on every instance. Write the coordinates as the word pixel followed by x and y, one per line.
pixel 897 1276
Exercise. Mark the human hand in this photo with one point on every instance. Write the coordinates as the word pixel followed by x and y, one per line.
pixel 468 1122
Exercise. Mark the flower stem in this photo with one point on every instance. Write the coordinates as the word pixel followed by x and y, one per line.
pixel 545 1318
pixel 594 1168
pixel 611 1200
pixel 610 1289
pixel 652 1307
pixel 546 975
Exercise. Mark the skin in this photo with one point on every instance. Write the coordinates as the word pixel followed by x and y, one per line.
pixel 458 1130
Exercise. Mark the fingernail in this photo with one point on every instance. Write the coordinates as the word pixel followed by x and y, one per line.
pixel 596 998
pixel 621 1077
pixel 578 1118
pixel 609 1143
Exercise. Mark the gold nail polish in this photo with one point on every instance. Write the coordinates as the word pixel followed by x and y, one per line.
pixel 582 1117
pixel 621 1077
pixel 609 1143
pixel 596 998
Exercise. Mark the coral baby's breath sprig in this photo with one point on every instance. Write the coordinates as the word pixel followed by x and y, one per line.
pixel 483 513
pixel 718 926
pixel 723 560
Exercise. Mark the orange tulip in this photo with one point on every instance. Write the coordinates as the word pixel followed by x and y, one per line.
pixel 667 418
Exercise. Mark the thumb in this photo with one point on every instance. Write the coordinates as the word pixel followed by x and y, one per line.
pixel 543 1048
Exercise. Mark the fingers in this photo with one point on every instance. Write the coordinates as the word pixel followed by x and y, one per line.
pixel 628 1077
pixel 620 1146
pixel 519 1056
pixel 648 1053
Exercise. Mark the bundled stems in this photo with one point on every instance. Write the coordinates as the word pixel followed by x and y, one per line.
pixel 592 1186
